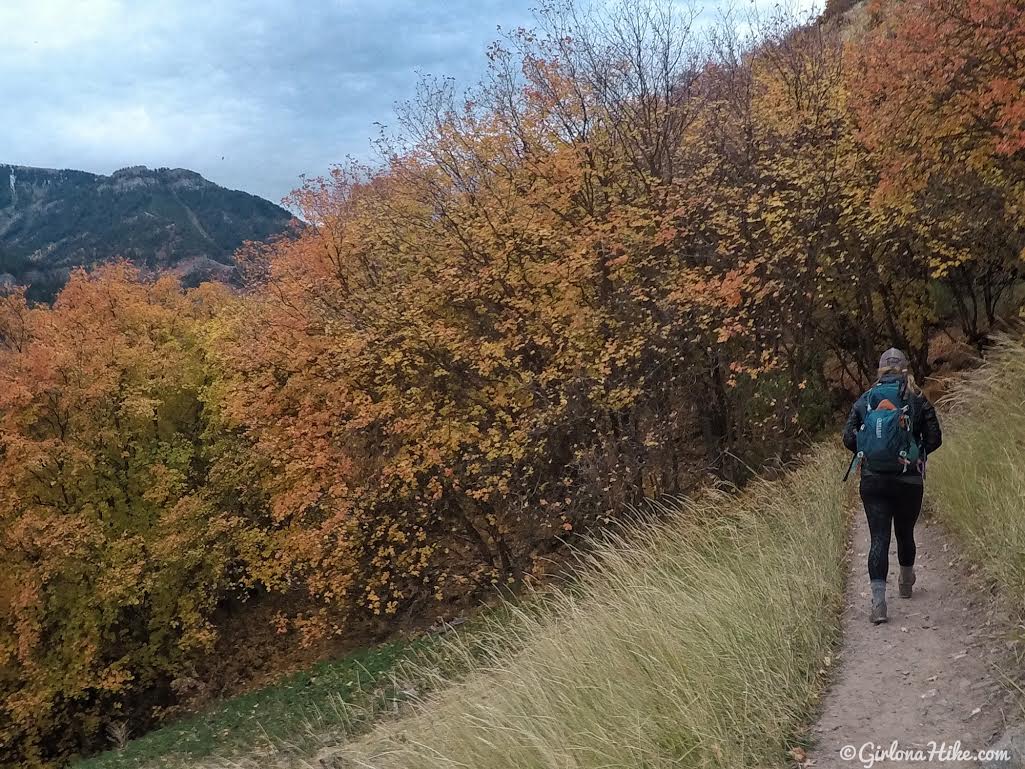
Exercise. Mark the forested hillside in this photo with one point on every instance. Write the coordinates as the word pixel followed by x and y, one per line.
pixel 641 255
pixel 163 219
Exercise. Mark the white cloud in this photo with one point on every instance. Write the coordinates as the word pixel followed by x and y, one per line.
pixel 132 125
pixel 151 130
pixel 250 93
pixel 34 28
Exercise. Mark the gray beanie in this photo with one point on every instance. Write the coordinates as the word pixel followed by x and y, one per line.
pixel 893 358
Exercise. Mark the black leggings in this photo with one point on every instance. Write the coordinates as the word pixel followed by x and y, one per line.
pixel 890 500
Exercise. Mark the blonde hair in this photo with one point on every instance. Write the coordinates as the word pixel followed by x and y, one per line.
pixel 900 371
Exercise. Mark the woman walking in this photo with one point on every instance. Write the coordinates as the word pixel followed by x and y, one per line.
pixel 892 429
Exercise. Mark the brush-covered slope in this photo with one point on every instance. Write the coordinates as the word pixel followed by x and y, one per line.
pixel 166 219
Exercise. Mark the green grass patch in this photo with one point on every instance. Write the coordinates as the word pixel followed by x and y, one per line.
pixel 332 698
pixel 333 701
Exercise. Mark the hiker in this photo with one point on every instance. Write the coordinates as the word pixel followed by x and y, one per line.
pixel 892 429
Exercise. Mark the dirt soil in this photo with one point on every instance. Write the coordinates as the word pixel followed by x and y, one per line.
pixel 929 676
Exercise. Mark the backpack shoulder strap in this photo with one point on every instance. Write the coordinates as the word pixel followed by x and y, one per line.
pixel 867 397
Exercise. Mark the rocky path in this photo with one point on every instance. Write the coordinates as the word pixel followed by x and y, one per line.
pixel 926 678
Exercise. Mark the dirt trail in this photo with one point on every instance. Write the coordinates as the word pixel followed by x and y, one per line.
pixel 926 676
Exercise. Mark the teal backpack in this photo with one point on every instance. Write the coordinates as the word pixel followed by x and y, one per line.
pixel 886 442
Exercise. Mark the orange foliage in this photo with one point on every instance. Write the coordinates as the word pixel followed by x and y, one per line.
pixel 938 88
pixel 117 552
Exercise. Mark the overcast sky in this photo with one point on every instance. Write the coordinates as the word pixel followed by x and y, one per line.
pixel 249 93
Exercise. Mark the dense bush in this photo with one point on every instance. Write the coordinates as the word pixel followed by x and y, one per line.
pixel 837 8
pixel 116 547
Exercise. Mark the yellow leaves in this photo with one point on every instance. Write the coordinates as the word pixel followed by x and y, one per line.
pixel 728 331
pixel 114 679
pixel 393 357
pixel 104 517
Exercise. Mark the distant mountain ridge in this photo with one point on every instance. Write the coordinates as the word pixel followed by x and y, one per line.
pixel 52 221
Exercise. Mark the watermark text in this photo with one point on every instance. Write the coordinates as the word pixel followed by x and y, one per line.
pixel 870 754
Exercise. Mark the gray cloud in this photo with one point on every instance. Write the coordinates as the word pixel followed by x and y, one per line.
pixel 250 93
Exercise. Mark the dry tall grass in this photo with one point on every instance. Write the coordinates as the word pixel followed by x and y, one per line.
pixel 695 641
pixel 977 478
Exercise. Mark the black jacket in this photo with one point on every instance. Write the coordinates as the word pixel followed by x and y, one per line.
pixel 925 426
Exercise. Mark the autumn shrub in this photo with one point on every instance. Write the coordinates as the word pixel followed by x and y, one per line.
pixel 938 90
pixel 581 288
pixel 939 95
pixel 115 548
pixel 835 8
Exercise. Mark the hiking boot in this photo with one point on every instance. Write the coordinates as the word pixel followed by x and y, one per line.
pixel 878 615
pixel 906 581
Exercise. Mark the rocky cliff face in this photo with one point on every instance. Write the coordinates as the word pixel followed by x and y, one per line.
pixel 164 219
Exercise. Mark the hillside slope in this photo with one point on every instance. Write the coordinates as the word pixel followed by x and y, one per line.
pixel 52 221
pixel 723 604
pixel 669 634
